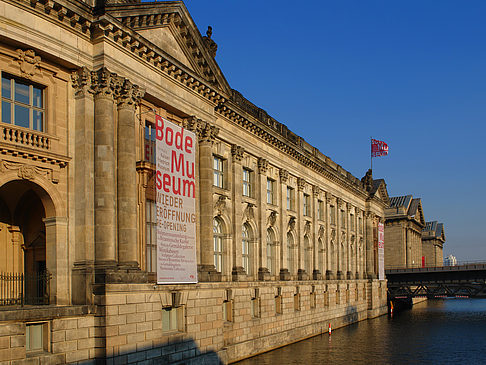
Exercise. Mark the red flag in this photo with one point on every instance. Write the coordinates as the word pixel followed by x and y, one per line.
pixel 378 148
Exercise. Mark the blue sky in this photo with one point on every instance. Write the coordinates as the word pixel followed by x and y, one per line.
pixel 411 73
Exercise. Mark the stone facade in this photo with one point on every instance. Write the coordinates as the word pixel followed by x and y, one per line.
pixel 433 239
pixel 79 90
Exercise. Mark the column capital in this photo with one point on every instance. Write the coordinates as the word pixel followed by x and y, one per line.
pixel 284 176
pixel 237 152
pixel 329 198
pixel 104 83
pixel 81 81
pixel 300 183
pixel 128 95
pixel 316 191
pixel 204 130
pixel 262 165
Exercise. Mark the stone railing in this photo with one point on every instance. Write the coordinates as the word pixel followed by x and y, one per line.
pixel 25 137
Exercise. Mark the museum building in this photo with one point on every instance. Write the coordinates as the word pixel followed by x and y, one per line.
pixel 286 239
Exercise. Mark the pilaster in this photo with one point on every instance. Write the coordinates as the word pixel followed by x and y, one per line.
pixel 284 270
pixel 263 272
pixel 238 272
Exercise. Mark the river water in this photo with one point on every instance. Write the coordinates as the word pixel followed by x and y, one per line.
pixel 447 331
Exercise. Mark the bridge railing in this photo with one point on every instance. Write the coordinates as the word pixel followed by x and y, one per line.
pixel 463 265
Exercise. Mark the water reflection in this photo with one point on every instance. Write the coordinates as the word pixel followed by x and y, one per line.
pixel 450 331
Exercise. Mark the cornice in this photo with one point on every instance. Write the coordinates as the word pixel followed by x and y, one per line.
pixel 34 155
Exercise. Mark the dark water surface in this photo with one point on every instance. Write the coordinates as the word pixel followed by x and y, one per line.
pixel 449 331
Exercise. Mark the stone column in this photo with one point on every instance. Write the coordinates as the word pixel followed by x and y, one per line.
pixel 349 258
pixel 104 85
pixel 301 273
pixel 341 236
pixel 330 231
pixel 84 247
pixel 370 254
pixel 263 272
pixel 316 273
pixel 206 136
pixel 128 98
pixel 284 270
pixel 238 272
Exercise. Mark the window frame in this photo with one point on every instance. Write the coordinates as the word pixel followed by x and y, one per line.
pixel 271 191
pixel 307 206
pixel 14 103
pixel 150 246
pixel 247 183
pixel 290 198
pixel 246 256
pixel 218 171
pixel 218 242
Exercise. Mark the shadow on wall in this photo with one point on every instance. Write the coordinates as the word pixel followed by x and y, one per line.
pixel 351 314
pixel 183 352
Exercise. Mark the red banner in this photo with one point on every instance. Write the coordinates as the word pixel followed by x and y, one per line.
pixel 378 148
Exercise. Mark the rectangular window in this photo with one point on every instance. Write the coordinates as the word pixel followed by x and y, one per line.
pixel 22 103
pixel 173 319
pixel 255 304
pixel 343 219
pixel 270 191
pixel 149 143
pixel 228 306
pixel 150 236
pixel 307 205
pixel 320 210
pixel 218 163
pixel 290 198
pixel 37 337
pixel 247 177
pixel 360 225
pixel 351 222
pixel 332 214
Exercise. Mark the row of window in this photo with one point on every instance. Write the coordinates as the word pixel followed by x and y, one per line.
pixel 218 169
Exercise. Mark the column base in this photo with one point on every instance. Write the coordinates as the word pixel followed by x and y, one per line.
pixel 239 274
pixel 284 275
pixel 110 273
pixel 83 278
pixel 358 275
pixel 371 275
pixel 349 275
pixel 316 275
pixel 208 273
pixel 330 275
pixel 263 274
pixel 340 275
pixel 302 275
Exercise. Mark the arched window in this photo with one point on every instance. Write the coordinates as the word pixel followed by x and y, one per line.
pixel 290 253
pixel 245 248
pixel 218 244
pixel 320 255
pixel 270 252
pixel 307 255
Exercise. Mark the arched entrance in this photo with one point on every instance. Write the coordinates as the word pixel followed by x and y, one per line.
pixel 23 210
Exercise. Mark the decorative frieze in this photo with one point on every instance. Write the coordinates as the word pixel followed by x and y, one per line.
pixel 28 171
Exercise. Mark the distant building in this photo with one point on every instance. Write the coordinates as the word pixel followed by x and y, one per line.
pixel 450 261
pixel 433 239
pixel 404 221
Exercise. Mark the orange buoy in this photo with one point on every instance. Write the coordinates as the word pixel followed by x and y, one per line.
pixel 330 330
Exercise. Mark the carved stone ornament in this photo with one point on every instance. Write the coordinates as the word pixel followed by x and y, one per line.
pixel 321 231
pixel 367 180
pixel 220 205
pixel 284 176
pixel 104 82
pixel 348 207
pixel 28 172
pixel 333 235
pixel 209 43
pixel 353 238
pixel 316 191
pixel 300 183
pixel 206 132
pixel 329 198
pixel 272 218
pixel 128 95
pixel 307 228
pixel 81 81
pixel 237 152
pixel 343 236
pixel 249 213
pixel 291 223
pixel 262 165
pixel 29 63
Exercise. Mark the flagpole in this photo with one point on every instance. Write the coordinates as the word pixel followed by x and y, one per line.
pixel 371 154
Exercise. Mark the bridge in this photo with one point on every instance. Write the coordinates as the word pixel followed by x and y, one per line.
pixel 468 280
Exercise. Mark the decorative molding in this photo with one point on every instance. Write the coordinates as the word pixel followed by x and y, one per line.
pixel 128 95
pixel 204 130
pixel 307 228
pixel 284 176
pixel 104 83
pixel 28 172
pixel 321 231
pixel 316 191
pixel 292 222
pixel 272 218
pixel 237 152
pixel 81 81
pixel 262 165
pixel 220 205
pixel 249 213
pixel 29 63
